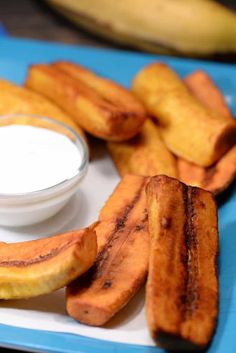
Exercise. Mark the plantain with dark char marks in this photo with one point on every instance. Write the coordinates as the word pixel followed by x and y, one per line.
pixel 182 290
pixel 122 261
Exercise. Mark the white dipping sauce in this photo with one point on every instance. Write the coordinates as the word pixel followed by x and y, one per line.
pixel 33 158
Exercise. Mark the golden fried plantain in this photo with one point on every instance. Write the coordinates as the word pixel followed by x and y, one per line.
pixel 122 261
pixel 205 91
pixel 189 130
pixel 19 100
pixel 41 266
pixel 215 178
pixel 99 106
pixel 145 154
pixel 182 289
pixel 219 176
pixel 107 89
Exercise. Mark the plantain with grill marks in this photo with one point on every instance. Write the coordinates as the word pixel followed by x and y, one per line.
pixel 182 290
pixel 122 261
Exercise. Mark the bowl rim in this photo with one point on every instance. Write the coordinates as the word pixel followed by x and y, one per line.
pixel 79 142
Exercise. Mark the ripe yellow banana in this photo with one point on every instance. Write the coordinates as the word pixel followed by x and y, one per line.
pixel 192 27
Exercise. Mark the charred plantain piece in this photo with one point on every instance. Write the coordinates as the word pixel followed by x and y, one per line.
pixel 189 130
pixel 20 100
pixel 182 290
pixel 99 106
pixel 215 178
pixel 145 154
pixel 122 261
pixel 41 266
pixel 205 91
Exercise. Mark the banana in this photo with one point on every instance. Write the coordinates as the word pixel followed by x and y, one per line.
pixel 189 27
pixel 41 266
pixel 182 289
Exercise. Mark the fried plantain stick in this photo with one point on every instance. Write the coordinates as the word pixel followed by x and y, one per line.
pixel 204 90
pixel 215 178
pixel 122 261
pixel 104 87
pixel 182 290
pixel 99 106
pixel 20 100
pixel 189 130
pixel 36 267
pixel 145 154
pixel 220 175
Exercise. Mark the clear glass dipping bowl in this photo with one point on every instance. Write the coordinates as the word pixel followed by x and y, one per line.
pixel 22 209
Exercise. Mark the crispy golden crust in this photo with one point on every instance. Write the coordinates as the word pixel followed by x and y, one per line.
pixel 98 113
pixel 182 291
pixel 41 266
pixel 204 89
pixel 119 270
pixel 145 154
pixel 215 178
pixel 189 129
pixel 19 100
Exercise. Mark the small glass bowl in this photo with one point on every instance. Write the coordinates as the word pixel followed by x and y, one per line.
pixel 22 209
